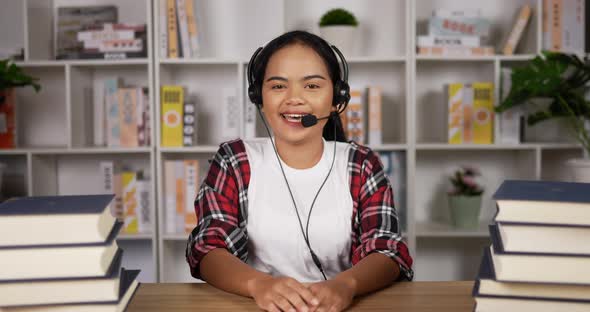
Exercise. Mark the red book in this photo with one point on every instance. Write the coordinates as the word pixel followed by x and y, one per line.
pixel 7 119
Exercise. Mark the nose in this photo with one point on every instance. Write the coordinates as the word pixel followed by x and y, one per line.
pixel 294 96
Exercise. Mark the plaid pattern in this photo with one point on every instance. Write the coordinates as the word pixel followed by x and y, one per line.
pixel 222 201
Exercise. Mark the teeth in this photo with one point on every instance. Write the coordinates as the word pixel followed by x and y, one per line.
pixel 293 117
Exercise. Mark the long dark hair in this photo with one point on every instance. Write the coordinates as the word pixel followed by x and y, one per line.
pixel 323 49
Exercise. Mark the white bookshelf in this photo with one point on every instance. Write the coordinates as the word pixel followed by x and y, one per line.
pixel 53 156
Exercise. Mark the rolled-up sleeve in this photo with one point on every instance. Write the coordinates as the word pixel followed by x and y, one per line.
pixel 379 223
pixel 217 206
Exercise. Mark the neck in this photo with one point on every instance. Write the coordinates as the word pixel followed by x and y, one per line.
pixel 300 155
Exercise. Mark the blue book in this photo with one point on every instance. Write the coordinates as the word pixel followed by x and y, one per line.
pixel 52 220
pixel 544 202
pixel 537 267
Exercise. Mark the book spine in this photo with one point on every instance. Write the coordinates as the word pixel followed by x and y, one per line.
pixel 106 172
pixel 147 116
pixel 455 51
pixel 249 120
pixel 144 223
pixel 449 13
pixel 438 26
pixel 172 99
pixel 139 114
pixel 112 104
pixel 467 114
pixel 130 202
pixel 163 32
pixel 191 173
pixel 230 114
pixel 8 119
pixel 375 115
pixel 455 109
pixel 556 25
pixel 573 26
pixel 464 41
pixel 170 196
pixel 193 31
pixel 517 30
pixel 183 28
pixel 188 124
pixel 180 196
pixel 508 122
pixel 483 112
pixel 119 211
pixel 547 25
pixel 99 112
pixel 127 98
pixel 356 120
pixel 172 29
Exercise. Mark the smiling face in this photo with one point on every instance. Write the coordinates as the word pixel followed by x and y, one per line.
pixel 296 82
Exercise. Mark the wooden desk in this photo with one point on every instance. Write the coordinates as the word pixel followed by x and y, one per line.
pixel 406 296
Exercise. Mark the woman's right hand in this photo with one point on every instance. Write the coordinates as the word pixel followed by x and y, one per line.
pixel 285 294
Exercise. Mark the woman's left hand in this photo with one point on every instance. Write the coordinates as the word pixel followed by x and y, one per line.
pixel 333 295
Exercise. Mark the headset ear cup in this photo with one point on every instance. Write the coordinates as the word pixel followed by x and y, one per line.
pixel 254 95
pixel 341 93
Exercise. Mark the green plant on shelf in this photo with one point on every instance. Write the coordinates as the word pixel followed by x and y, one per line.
pixel 561 78
pixel 338 16
pixel 12 76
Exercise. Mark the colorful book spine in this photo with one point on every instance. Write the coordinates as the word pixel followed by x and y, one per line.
pixel 465 41
pixel 130 204
pixel 448 50
pixel 111 85
pixel 99 112
pixel 455 113
pixel 183 29
pixel 118 211
pixel 516 32
pixel 163 29
pixel 172 29
pixel 459 26
pixel 355 119
pixel 483 113
pixel 188 124
pixel 170 196
pixel 172 101
pixel 8 119
pixel 127 98
pixel 144 218
pixel 191 173
pixel 180 196
pixel 375 132
pixel 193 31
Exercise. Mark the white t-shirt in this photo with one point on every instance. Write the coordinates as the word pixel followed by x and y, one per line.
pixel 275 241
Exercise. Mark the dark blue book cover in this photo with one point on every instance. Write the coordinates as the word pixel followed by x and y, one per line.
pixel 543 191
pixel 47 205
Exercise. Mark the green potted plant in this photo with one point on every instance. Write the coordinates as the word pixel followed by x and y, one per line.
pixel 11 77
pixel 561 80
pixel 465 198
pixel 338 27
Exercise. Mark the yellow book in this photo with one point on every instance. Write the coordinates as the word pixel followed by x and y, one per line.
pixel 455 98
pixel 483 107
pixel 172 29
pixel 172 99
pixel 130 202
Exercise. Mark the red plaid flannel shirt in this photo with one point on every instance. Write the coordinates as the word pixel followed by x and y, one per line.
pixel 222 201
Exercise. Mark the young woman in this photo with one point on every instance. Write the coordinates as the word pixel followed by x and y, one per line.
pixel 303 220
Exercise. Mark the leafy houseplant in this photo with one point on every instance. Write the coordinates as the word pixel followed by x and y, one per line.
pixel 465 197
pixel 11 76
pixel 562 79
pixel 338 27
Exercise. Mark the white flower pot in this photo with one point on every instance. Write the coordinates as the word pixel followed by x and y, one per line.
pixel 579 169
pixel 343 37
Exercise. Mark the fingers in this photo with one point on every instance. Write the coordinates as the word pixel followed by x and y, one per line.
pixel 303 292
pixel 284 304
pixel 272 308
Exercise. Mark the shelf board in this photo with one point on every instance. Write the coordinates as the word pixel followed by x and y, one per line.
pixel 550 146
pixel 89 62
pixel 135 237
pixel 90 150
pixel 433 229
pixel 198 61
pixel 192 149
pixel 389 147
pixel 375 59
pixel 518 57
pixel 175 237
pixel 446 146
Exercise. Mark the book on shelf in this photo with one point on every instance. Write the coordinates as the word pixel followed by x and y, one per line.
pixel 59 260
pixel 508 123
pixel 126 289
pixel 470 113
pixel 522 266
pixel 491 294
pixel 455 51
pixel 355 119
pixel 547 202
pixel 108 39
pixel 189 124
pixel 374 113
pixel 30 221
pixel 462 41
pixel 181 185
pixel 180 37
pixel 172 107
pixel 456 13
pixel 520 23
pixel 250 114
pixel 394 167
pixel 564 25
pixel 459 26
pixel 230 114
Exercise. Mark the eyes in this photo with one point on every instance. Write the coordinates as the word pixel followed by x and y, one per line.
pixel 280 86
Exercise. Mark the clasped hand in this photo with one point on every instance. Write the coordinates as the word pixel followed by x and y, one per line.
pixel 288 295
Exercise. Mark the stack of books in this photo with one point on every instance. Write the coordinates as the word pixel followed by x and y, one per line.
pixel 456 33
pixel 59 253
pixel 539 259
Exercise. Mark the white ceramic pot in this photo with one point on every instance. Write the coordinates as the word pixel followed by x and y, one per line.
pixel 579 169
pixel 343 37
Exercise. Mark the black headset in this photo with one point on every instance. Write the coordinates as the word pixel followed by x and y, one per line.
pixel 341 87
pixel 341 97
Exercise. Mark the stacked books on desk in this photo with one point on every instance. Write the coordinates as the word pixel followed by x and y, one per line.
pixel 539 259
pixel 59 253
